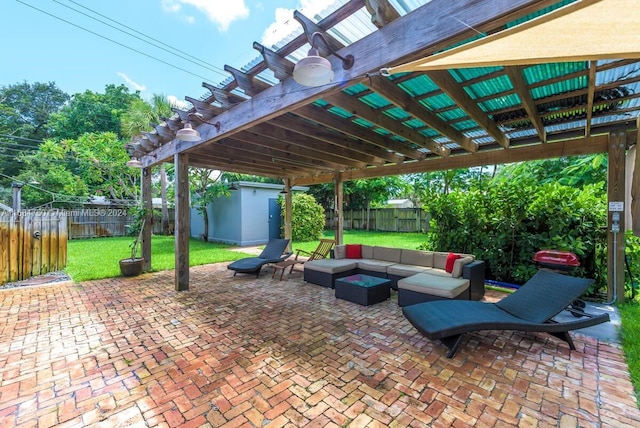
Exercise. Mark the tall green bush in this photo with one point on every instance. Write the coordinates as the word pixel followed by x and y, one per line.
pixel 512 219
pixel 307 219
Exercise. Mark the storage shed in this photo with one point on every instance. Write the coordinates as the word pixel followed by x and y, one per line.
pixel 250 216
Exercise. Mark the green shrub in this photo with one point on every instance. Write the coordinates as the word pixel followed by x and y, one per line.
pixel 307 219
pixel 510 221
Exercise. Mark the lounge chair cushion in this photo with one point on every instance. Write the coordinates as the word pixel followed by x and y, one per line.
pixel 247 265
pixel 447 288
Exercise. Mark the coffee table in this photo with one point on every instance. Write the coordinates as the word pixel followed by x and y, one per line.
pixel 363 289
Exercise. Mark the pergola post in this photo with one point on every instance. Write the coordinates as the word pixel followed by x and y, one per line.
pixel 615 217
pixel 338 208
pixel 182 227
pixel 288 211
pixel 147 204
pixel 635 188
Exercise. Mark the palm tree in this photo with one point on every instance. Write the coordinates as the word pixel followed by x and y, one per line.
pixel 138 120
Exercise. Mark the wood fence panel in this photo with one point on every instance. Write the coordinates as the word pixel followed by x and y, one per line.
pixel 32 243
pixel 383 219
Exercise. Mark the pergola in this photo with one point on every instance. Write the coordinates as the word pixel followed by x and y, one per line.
pixel 434 86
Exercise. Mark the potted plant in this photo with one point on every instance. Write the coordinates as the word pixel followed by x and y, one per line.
pixel 132 266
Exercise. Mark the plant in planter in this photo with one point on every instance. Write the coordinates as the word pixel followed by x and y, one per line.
pixel 132 266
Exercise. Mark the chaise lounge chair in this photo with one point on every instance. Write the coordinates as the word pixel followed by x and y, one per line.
pixel 531 309
pixel 273 253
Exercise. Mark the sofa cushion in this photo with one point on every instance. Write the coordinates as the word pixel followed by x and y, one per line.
pixel 440 260
pixel 367 252
pixel 354 251
pixel 331 265
pixel 426 283
pixel 406 270
pixel 374 265
pixel 416 258
pixel 387 254
pixel 456 272
pixel 340 252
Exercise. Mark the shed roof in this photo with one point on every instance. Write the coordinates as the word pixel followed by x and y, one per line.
pixel 365 124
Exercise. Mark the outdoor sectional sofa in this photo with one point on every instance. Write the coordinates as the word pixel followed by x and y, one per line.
pixel 419 276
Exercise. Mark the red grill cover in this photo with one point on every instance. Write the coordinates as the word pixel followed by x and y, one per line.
pixel 556 258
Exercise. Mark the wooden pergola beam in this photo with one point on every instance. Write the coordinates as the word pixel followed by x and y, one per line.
pixel 454 90
pixel 402 99
pixel 520 85
pixel 596 144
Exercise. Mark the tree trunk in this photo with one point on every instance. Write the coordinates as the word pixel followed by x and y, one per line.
pixel 163 194
pixel 205 218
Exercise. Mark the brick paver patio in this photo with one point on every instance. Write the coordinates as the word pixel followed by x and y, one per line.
pixel 247 352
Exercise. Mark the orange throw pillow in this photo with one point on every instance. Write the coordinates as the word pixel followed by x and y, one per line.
pixel 354 251
pixel 451 259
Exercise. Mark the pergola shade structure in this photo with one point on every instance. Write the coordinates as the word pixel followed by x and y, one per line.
pixel 367 124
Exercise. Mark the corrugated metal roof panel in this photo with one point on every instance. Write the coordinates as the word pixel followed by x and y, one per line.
pixel 428 132
pixel 615 74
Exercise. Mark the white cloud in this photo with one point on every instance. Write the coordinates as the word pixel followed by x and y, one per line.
pixel 170 6
pixel 221 12
pixel 136 86
pixel 181 104
pixel 284 23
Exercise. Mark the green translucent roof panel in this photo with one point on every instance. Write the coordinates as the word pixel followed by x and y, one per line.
pixel 539 13
pixel 489 87
pixel 463 74
pixel 464 125
pixel 560 87
pixel 374 100
pixel 437 102
pixel 419 86
pixel 397 113
pixel 340 112
pixel 457 113
pixel 414 123
pixel 428 132
pixel 356 89
pixel 500 103
pixel 363 123
pixel 541 72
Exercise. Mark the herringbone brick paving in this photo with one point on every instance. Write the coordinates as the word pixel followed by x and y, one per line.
pixel 247 352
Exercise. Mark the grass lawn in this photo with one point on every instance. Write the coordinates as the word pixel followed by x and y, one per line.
pixel 98 258
pixel 630 335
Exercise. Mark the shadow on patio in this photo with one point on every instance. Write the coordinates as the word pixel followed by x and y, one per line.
pixel 261 352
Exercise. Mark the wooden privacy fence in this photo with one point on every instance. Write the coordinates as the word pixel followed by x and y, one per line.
pixel 32 243
pixel 107 222
pixel 383 219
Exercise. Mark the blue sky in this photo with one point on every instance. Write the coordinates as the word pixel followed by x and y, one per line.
pixel 40 47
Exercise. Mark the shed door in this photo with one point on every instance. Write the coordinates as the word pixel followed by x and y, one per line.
pixel 274 219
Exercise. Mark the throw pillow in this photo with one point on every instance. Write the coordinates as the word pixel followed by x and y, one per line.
pixel 354 251
pixel 451 259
